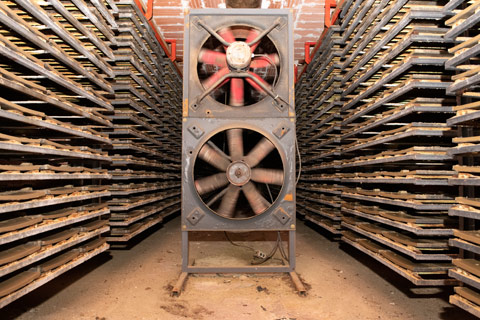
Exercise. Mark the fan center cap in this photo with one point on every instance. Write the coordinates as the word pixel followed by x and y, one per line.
pixel 238 173
pixel 239 55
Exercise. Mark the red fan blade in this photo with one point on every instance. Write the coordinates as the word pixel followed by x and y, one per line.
pixel 236 92
pixel 268 176
pixel 255 85
pixel 216 58
pixel 264 62
pixel 207 83
pixel 251 36
pixel 227 34
pixel 258 203
pixel 213 182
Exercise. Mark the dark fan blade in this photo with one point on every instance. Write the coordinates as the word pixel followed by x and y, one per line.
pixel 227 34
pixel 216 58
pixel 235 143
pixel 270 60
pixel 251 36
pixel 268 176
pixel 213 157
pixel 260 151
pixel 236 92
pixel 213 182
pixel 229 202
pixel 258 203
pixel 207 83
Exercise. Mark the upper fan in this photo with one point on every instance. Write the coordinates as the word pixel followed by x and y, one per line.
pixel 238 65
pixel 250 178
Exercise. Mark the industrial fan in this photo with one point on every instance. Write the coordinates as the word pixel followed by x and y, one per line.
pixel 240 183
pixel 237 60
pixel 242 72
pixel 238 132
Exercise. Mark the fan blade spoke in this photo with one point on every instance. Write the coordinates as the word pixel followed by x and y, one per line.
pixel 255 85
pixel 264 62
pixel 213 157
pixel 260 151
pixel 268 176
pixel 213 182
pixel 236 92
pixel 216 58
pixel 207 83
pixel 251 36
pixel 227 35
pixel 258 203
pixel 235 143
pixel 229 202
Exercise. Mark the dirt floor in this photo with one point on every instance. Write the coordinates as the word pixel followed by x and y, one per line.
pixel 135 283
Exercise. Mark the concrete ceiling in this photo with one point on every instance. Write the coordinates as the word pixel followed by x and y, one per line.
pixel 308 19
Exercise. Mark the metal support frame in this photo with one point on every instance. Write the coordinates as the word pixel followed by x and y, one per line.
pixel 187 268
pixel 204 117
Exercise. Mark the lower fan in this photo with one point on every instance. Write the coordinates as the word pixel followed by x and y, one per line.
pixel 238 173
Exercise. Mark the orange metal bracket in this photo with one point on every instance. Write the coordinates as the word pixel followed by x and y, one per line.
pixel 328 5
pixel 308 45
pixel 173 48
pixel 149 14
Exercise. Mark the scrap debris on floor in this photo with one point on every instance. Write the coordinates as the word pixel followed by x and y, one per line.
pixel 135 284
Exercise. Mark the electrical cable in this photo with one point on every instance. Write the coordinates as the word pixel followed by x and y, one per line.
pixel 237 244
pixel 299 161
pixel 269 256
pixel 269 192
pixel 282 251
pixel 266 57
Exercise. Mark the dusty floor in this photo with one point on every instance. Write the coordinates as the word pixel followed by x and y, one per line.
pixel 134 284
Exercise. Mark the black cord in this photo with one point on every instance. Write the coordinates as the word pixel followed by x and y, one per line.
pixel 237 244
pixel 266 57
pixel 282 250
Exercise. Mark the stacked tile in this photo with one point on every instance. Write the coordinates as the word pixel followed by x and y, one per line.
pixel 54 66
pixel 145 134
pixel 388 161
pixel 394 142
pixel 318 104
pixel 464 30
pixel 318 108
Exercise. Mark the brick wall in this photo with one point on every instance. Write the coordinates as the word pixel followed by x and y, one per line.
pixel 308 17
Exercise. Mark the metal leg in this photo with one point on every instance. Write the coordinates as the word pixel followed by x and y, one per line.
pixel 185 251
pixel 291 249
pixel 187 268
pixel 298 284
pixel 179 285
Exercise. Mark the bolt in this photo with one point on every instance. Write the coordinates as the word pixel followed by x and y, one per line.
pixel 238 173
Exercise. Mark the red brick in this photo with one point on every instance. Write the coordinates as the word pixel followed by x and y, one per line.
pixel 160 12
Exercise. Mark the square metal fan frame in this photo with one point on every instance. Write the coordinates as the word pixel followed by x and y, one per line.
pixel 196 216
pixel 281 36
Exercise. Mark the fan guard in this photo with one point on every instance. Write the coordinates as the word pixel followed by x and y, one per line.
pixel 260 60
pixel 243 181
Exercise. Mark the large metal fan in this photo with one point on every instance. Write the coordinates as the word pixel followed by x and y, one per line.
pixel 250 178
pixel 238 65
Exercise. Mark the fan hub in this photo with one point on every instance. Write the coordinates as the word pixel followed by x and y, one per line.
pixel 238 173
pixel 239 55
